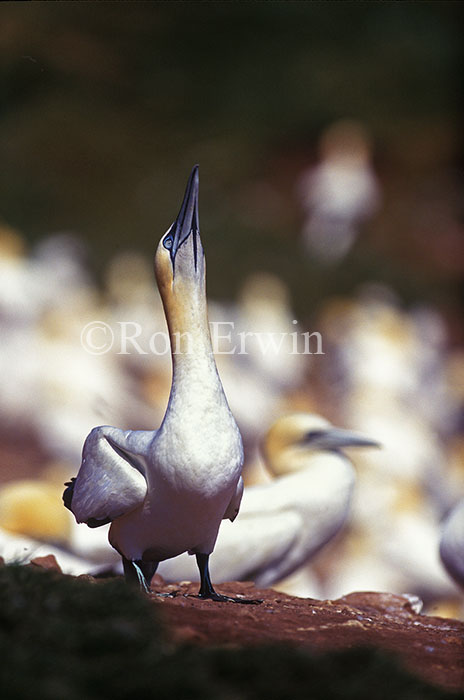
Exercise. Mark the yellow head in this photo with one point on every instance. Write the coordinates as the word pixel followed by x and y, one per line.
pixel 180 265
pixel 286 444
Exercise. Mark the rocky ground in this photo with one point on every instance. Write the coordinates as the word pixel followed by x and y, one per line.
pixel 430 647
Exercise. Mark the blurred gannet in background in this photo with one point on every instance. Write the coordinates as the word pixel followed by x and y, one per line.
pixel 399 554
pixel 166 491
pixel 340 192
pixel 136 309
pixel 52 388
pixel 265 315
pixel 282 524
pixel 268 362
pixel 18 549
pixel 33 523
pixel 390 381
pixel 452 543
pixel 32 508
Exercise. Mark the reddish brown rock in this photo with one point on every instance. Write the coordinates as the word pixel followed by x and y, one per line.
pixel 47 562
pixel 431 647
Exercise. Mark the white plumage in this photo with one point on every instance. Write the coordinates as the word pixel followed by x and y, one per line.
pixel 282 524
pixel 19 549
pixel 166 491
pixel 452 543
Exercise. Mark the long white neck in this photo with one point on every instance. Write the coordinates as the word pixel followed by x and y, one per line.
pixel 195 381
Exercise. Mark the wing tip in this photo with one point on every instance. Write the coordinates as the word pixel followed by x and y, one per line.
pixel 68 494
pixel 94 522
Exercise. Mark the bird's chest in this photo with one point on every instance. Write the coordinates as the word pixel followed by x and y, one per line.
pixel 201 457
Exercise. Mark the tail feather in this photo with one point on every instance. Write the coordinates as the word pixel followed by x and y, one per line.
pixel 68 493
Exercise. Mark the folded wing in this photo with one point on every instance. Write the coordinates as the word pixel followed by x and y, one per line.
pixel 111 480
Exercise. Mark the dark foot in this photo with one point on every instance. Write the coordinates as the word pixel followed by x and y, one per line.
pixel 207 591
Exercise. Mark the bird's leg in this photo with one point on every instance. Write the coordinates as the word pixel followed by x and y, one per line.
pixel 140 573
pixel 206 587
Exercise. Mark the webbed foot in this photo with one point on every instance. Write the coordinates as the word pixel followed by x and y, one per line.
pixel 207 591
pixel 212 595
pixel 173 594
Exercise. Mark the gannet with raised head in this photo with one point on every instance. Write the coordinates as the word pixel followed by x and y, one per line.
pixel 284 523
pixel 166 491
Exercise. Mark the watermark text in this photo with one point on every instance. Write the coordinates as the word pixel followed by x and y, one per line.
pixel 128 337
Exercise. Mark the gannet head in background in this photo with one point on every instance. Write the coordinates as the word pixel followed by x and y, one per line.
pixel 289 440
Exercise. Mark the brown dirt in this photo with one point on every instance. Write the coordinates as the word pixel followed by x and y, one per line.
pixel 430 647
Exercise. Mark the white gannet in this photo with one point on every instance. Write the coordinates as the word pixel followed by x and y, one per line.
pixel 19 549
pixel 339 193
pixel 31 508
pixel 283 523
pixel 166 491
pixel 452 543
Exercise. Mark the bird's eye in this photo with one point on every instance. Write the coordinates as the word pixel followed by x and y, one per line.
pixel 168 242
pixel 313 435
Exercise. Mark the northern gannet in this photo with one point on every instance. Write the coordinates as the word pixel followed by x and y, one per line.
pixel 166 491
pixel 51 387
pixel 390 365
pixel 283 523
pixel 31 508
pixel 19 549
pixel 452 543
pixel 340 193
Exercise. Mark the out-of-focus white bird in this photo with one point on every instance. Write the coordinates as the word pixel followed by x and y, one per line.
pixel 137 318
pixel 340 192
pixel 32 508
pixel 389 364
pixel 282 524
pixel 269 341
pixel 18 549
pixel 33 523
pixel 452 543
pixel 166 491
pixel 51 386
pixel 260 352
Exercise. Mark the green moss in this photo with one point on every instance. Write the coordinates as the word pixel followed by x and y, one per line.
pixel 68 639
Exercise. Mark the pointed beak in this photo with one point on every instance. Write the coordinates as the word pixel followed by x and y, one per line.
pixel 337 438
pixel 187 219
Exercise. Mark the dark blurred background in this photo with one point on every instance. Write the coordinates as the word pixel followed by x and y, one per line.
pixel 106 106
